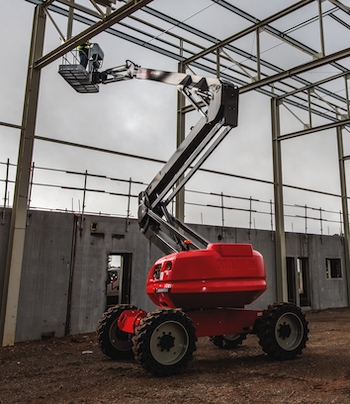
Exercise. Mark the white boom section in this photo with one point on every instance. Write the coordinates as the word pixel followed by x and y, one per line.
pixel 217 102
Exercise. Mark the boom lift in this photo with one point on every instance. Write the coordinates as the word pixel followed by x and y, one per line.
pixel 201 287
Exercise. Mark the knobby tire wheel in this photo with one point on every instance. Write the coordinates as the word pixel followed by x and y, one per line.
pixel 113 342
pixel 164 342
pixel 228 341
pixel 283 331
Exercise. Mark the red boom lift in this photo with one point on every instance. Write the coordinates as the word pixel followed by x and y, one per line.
pixel 200 287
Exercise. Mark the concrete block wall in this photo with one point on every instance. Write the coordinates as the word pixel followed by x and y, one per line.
pixel 65 268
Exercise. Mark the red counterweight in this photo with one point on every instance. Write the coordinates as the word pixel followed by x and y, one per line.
pixel 223 275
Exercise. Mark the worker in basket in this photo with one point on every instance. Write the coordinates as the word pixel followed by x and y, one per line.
pixel 84 53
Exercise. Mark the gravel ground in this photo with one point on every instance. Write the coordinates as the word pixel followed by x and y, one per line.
pixel 74 370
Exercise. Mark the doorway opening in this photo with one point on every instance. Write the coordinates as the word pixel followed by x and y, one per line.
pixel 292 295
pixel 298 281
pixel 303 281
pixel 118 279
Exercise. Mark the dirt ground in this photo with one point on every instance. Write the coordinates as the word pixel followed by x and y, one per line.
pixel 73 370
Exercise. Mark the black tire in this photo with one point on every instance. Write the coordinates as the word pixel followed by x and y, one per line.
pixel 282 330
pixel 228 341
pixel 164 342
pixel 114 343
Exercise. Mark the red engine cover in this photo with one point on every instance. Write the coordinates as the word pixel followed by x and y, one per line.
pixel 223 275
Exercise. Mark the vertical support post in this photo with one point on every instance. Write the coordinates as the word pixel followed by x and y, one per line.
pixel 340 223
pixel 5 195
pixel 320 18
pixel 271 214
pixel 71 273
pixel 280 243
pixel 31 184
pixel 128 209
pixel 344 206
pixel 13 271
pixel 218 63
pixel 309 107
pixel 258 65
pixel 81 224
pixel 180 197
pixel 70 20
pixel 250 218
pixel 347 95
pixel 305 219
pixel 222 216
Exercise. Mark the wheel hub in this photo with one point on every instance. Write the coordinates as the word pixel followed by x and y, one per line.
pixel 284 330
pixel 166 341
pixel 289 331
pixel 169 342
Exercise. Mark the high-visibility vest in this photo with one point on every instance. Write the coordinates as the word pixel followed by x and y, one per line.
pixel 84 46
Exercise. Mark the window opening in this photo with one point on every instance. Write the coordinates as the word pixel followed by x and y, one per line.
pixel 333 268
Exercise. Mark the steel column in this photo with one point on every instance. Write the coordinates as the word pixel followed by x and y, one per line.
pixel 258 62
pixel 13 270
pixel 180 197
pixel 70 20
pixel 321 27
pixel 5 195
pixel 345 207
pixel 280 243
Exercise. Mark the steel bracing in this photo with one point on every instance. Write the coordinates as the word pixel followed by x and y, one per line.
pixel 261 50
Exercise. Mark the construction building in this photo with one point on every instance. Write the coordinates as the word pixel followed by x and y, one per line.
pixel 59 270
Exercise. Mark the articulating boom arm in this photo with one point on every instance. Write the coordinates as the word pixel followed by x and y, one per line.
pixel 217 102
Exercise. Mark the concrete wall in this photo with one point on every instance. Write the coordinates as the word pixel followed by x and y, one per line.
pixel 325 293
pixel 65 268
pixel 113 236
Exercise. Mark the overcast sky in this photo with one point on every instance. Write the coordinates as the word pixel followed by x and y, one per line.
pixel 139 118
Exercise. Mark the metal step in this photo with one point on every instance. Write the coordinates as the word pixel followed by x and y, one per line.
pixel 77 77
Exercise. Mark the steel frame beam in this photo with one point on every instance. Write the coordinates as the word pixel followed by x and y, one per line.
pixel 100 26
pixel 201 61
pixel 250 29
pixel 201 34
pixel 297 70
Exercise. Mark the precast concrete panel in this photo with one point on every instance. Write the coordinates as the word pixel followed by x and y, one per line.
pixel 43 296
pixel 325 293
pixel 113 236
pixel 262 241
pixel 89 275
pixel 331 292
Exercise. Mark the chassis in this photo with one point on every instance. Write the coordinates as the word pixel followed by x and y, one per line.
pixel 223 278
